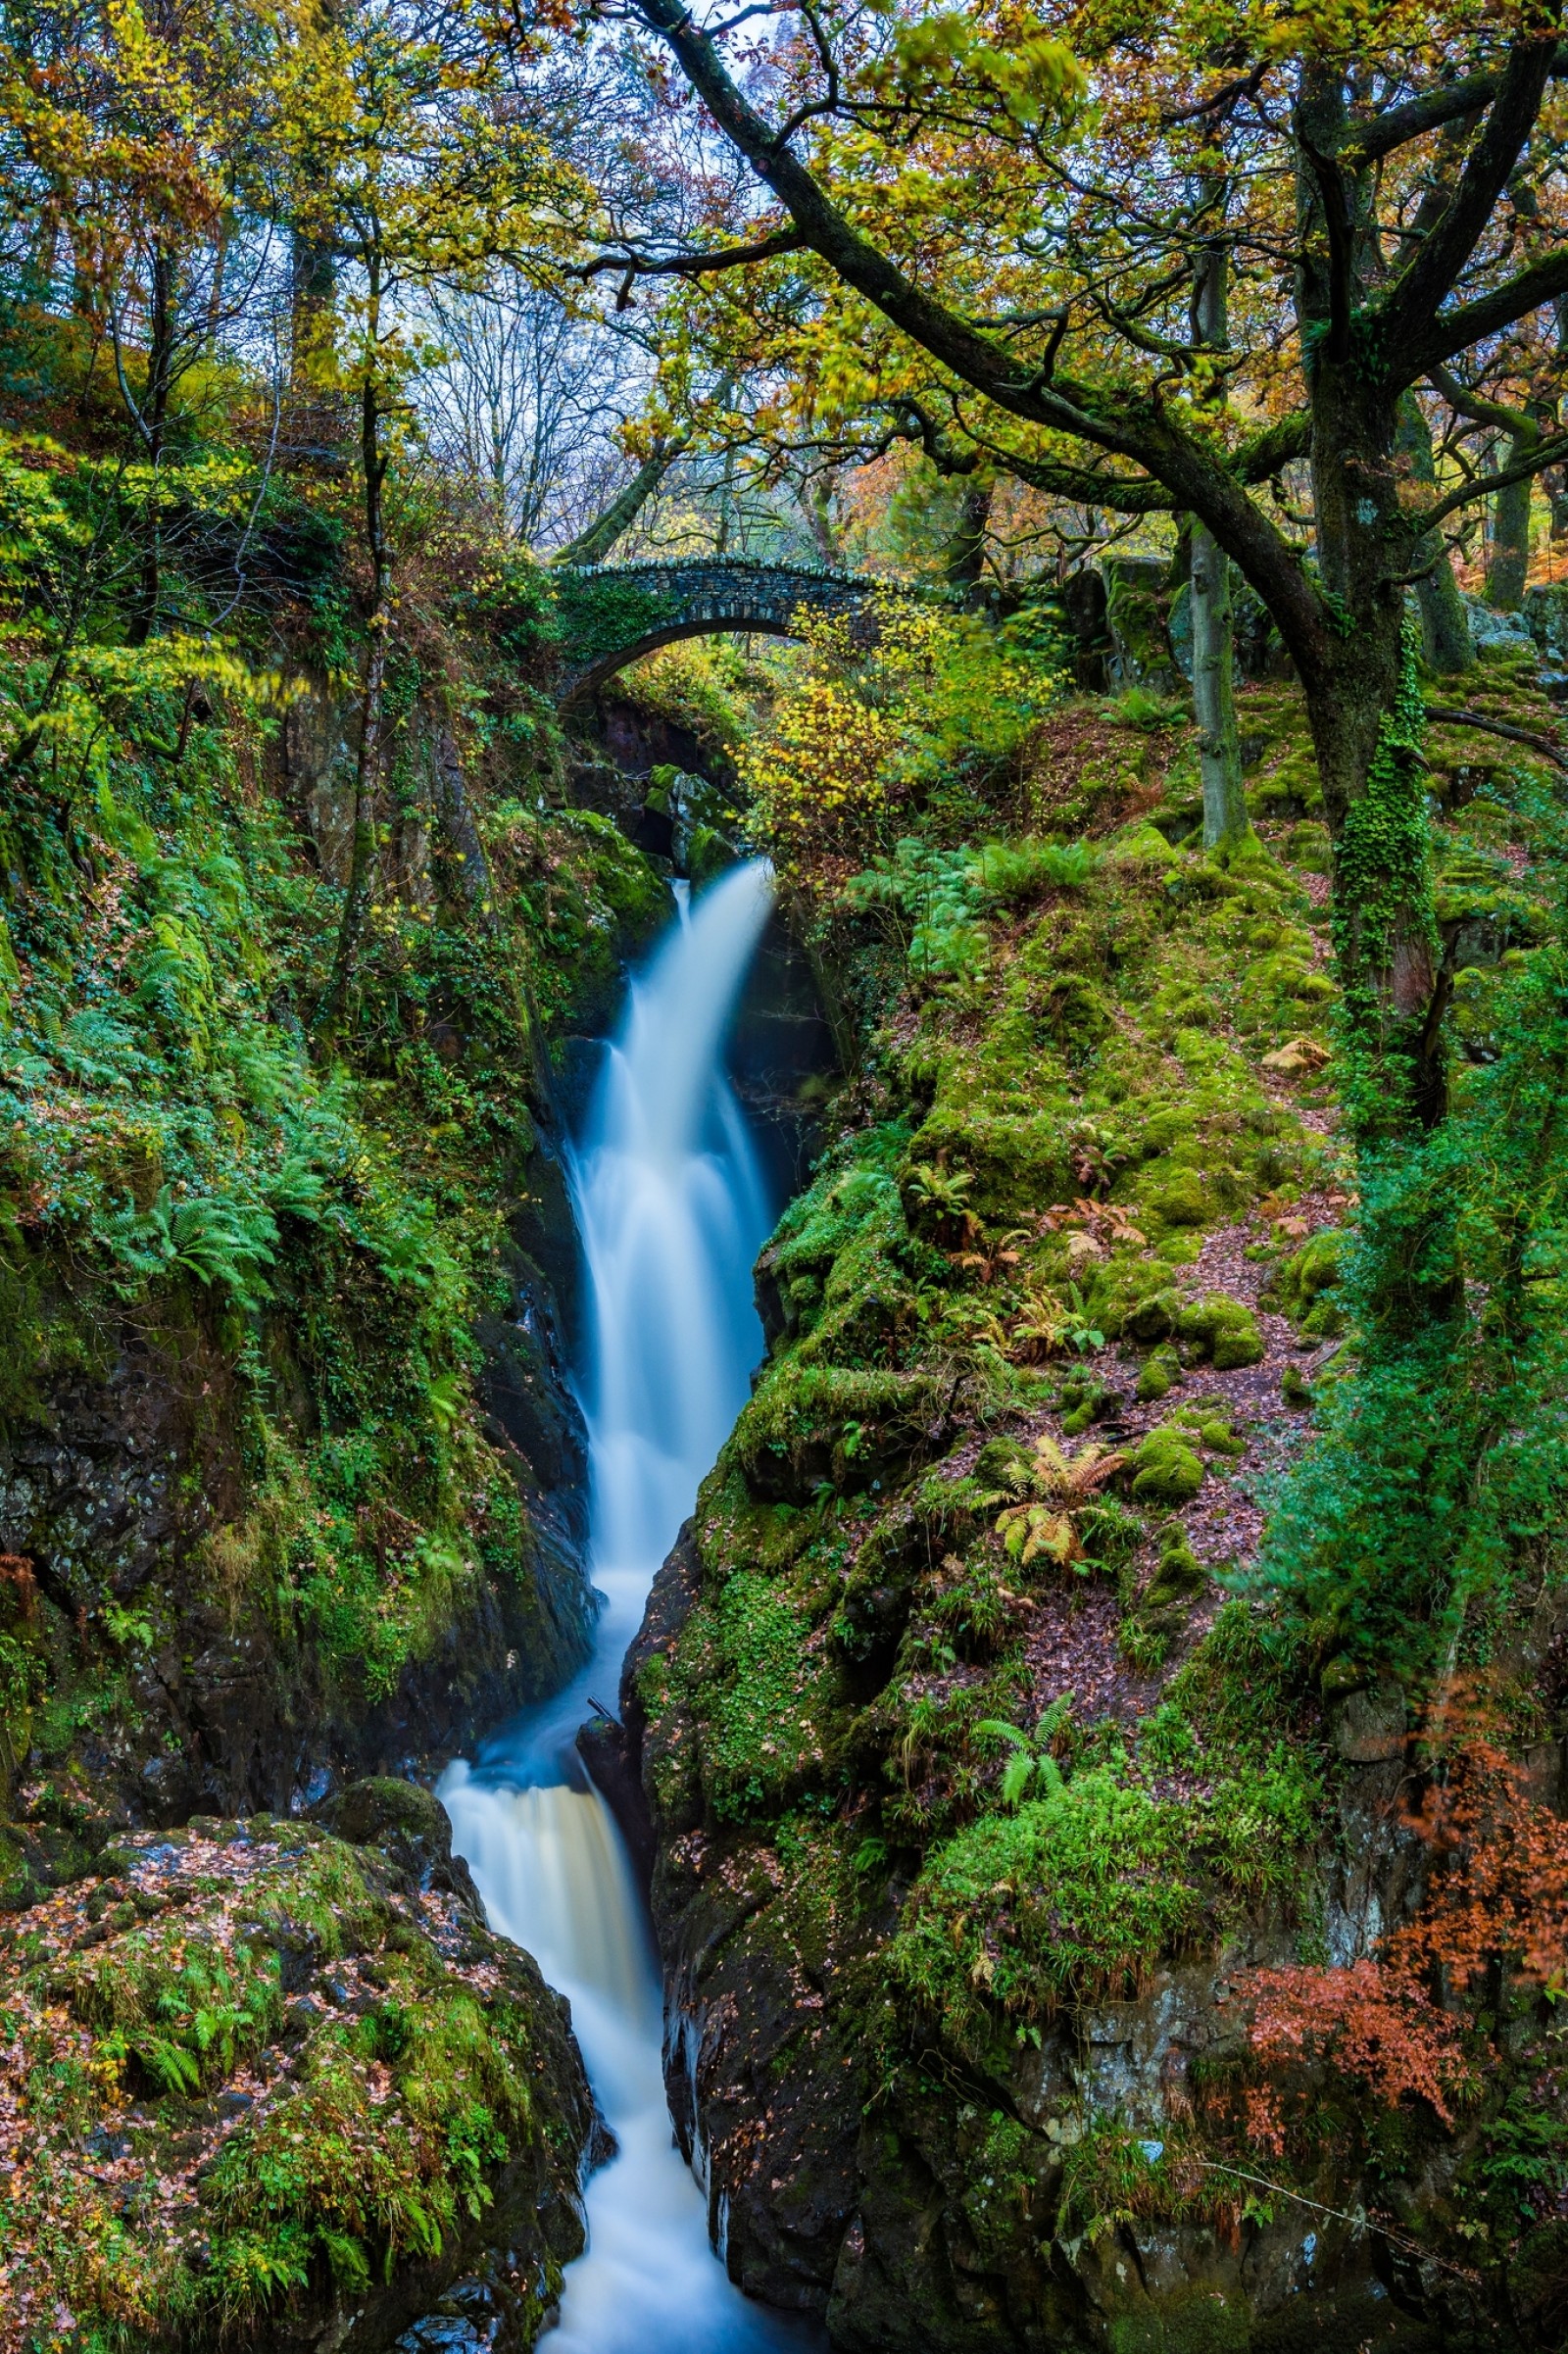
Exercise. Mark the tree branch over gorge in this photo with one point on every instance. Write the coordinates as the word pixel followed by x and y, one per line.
pixel 1124 420
pixel 1402 255
pixel 1366 140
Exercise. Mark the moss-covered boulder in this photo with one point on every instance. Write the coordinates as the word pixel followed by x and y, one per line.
pixel 1305 1286
pixel 1159 1376
pixel 258 2078
pixel 1182 1198
pixel 1166 1467
pixel 1221 1330
pixel 811 1423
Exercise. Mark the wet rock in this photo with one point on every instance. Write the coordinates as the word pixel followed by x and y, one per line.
pixel 409 1828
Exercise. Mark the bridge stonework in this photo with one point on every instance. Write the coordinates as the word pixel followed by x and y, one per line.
pixel 612 614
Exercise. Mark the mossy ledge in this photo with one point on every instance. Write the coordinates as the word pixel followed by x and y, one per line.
pixel 261 2084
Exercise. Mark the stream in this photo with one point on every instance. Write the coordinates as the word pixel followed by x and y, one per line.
pixel 671 1213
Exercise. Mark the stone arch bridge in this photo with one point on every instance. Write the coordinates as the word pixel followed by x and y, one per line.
pixel 612 614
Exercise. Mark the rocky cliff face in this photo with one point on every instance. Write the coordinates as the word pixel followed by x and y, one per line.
pixel 292 1493
pixel 113 1484
pixel 292 2052
pixel 947 2204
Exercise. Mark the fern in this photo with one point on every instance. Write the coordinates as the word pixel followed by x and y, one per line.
pixel 224 1242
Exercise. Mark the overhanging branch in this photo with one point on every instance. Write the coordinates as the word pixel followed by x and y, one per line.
pixel 698 263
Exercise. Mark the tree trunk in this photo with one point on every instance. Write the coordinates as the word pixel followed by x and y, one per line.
pixel 1219 754
pixel 1446 640
pixel 964 558
pixel 368 763
pixel 312 307
pixel 1366 716
pixel 593 545
pixel 1508 553
pixel 152 426
pixel 816 502
pixel 1220 759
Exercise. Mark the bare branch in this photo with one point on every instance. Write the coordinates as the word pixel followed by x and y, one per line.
pixel 1449 715
pixel 1482 487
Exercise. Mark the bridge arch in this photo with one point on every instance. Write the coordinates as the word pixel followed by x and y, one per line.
pixel 612 614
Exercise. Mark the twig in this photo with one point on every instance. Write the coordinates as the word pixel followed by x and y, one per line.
pixel 1359 2223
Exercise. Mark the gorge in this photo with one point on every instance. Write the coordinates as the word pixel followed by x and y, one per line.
pixel 783 1178
pixel 671 1213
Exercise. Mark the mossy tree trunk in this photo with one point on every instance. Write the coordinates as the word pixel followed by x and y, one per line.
pixel 1364 703
pixel 1508 541
pixel 592 544
pixel 964 556
pixel 1508 547
pixel 1446 639
pixel 1219 755
pixel 1219 748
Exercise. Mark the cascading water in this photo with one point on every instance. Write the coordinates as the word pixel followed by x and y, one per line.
pixel 671 1216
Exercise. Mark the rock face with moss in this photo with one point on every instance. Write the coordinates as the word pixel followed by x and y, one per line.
pixel 262 2082
pixel 292 1478
pixel 985 1806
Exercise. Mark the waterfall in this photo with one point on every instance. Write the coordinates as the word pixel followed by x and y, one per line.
pixel 671 1216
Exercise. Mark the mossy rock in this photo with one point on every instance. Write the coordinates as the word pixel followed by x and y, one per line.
pixel 811 1423
pixel 1180 1575
pixel 1306 1281
pixel 1018 1160
pixel 410 1827
pixel 1143 845
pixel 1182 1198
pixel 1085 1397
pixel 1159 1376
pixel 1152 1317
pixel 997 1459
pixel 331 2083
pixel 1222 1330
pixel 1215 1429
pixel 1166 1467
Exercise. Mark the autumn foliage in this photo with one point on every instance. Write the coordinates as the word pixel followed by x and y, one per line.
pixel 1400 2025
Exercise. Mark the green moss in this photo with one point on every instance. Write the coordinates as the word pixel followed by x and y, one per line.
pixel 1306 1281
pixel 1165 1467
pixel 1182 1200
pixel 383 2062
pixel 1222 1330
pixel 764 1691
pixel 1179 1577
pixel 1074 1895
pixel 810 1422
pixel 599 613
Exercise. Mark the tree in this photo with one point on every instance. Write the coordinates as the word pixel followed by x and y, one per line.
pixel 136 134
pixel 414 169
pixel 1021 220
pixel 1220 751
pixel 1444 623
pixel 525 400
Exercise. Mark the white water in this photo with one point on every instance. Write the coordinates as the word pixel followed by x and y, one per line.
pixel 671 1216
